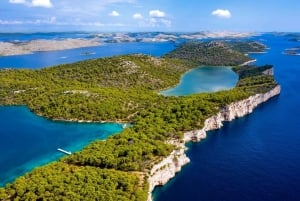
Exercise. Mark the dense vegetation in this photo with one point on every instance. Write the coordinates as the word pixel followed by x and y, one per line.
pixel 247 47
pixel 215 53
pixel 120 88
pixel 255 80
pixel 106 89
pixel 59 181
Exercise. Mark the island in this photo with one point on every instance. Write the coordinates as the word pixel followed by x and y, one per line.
pixel 126 89
pixel 295 51
pixel 20 47
pixel 29 47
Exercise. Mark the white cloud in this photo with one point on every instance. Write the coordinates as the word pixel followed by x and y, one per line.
pixel 114 14
pixel 166 22
pixel 41 3
pixel 34 3
pixel 221 13
pixel 156 13
pixel 137 16
pixel 159 22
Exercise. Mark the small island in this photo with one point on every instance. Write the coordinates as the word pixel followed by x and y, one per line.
pixel 126 89
pixel 292 51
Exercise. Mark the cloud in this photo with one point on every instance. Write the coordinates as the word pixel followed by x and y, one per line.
pixel 137 16
pixel 159 22
pixel 41 3
pixel 156 13
pixel 156 19
pixel 33 3
pixel 114 14
pixel 221 13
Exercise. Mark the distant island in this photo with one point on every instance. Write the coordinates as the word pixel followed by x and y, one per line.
pixel 292 51
pixel 8 48
pixel 126 89
pixel 28 47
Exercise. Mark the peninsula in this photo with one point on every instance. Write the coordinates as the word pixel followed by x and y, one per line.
pixel 28 47
pixel 126 88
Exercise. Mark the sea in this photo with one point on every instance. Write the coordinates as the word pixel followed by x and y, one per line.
pixel 251 158
pixel 256 157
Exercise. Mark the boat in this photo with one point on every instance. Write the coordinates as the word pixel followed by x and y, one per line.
pixel 64 151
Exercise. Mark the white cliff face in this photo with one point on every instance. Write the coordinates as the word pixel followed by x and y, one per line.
pixel 166 169
pixel 230 112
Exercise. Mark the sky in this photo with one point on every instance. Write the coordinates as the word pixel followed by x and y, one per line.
pixel 149 15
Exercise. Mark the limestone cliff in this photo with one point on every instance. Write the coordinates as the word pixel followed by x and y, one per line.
pixel 166 169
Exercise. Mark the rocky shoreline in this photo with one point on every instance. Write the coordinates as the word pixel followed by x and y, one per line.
pixel 166 169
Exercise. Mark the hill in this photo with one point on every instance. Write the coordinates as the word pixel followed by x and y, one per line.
pixel 215 53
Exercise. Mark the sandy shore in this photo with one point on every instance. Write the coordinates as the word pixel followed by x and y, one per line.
pixel 19 48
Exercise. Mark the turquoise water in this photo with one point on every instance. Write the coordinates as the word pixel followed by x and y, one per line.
pixel 28 141
pixel 204 79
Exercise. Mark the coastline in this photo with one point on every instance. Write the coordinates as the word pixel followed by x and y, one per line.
pixel 248 62
pixel 166 169
pixel 10 48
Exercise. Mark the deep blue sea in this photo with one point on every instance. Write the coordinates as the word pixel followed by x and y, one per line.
pixel 256 157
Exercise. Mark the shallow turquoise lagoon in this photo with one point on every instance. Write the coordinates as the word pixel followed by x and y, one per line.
pixel 204 79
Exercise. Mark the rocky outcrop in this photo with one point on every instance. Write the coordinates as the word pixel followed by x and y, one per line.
pixel 269 71
pixel 166 169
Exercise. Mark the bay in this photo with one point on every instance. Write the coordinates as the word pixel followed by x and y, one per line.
pixel 28 141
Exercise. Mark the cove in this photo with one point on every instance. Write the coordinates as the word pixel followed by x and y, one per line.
pixel 28 141
pixel 204 79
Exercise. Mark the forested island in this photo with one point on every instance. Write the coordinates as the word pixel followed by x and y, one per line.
pixel 122 89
